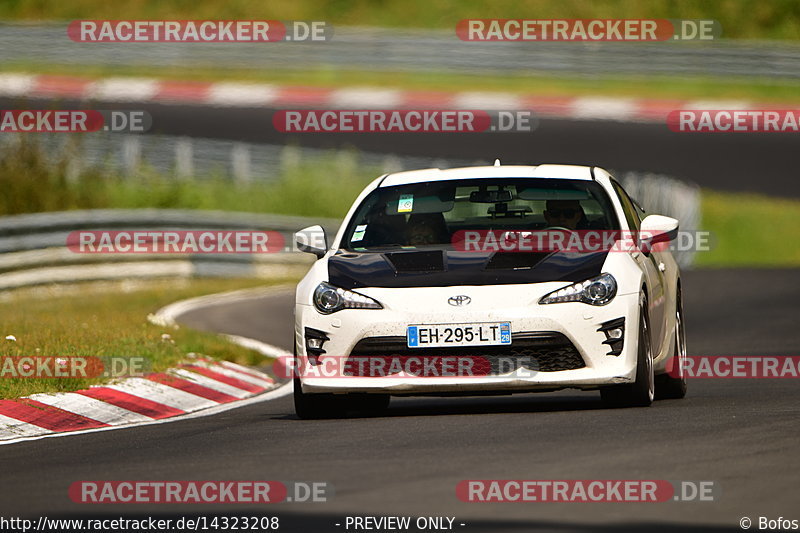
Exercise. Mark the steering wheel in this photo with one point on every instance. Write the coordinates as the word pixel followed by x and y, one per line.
pixel 560 228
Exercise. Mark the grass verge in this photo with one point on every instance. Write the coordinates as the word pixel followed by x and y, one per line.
pixel 100 322
pixel 750 230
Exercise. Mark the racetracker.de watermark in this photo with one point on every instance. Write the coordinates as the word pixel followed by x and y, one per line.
pixel 76 367
pixel 421 366
pixel 199 492
pixel 402 121
pixel 74 121
pixel 592 30
pixel 175 242
pixel 198 31
pixel 736 366
pixel 578 241
pixel 734 120
pixel 585 490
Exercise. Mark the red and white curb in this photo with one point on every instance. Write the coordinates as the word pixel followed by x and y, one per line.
pixel 199 387
pixel 229 94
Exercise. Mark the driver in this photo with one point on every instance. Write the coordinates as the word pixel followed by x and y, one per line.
pixel 425 229
pixel 564 213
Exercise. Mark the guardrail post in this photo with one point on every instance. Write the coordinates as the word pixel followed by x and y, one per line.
pixel 131 154
pixel 184 158
pixel 240 159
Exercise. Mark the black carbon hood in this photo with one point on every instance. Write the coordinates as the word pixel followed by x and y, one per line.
pixel 444 268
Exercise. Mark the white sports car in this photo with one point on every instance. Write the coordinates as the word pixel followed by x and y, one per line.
pixel 436 284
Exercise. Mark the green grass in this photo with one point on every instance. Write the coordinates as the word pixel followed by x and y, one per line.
pixel 740 19
pixel 750 230
pixel 528 83
pixel 106 322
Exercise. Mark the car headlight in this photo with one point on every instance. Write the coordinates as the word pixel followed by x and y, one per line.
pixel 329 299
pixel 595 291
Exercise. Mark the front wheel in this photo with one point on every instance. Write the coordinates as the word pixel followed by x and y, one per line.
pixel 312 406
pixel 641 392
pixel 673 385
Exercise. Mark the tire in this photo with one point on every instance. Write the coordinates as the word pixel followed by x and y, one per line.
pixel 314 406
pixel 669 387
pixel 641 392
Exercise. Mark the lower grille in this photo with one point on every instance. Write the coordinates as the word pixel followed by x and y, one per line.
pixel 535 351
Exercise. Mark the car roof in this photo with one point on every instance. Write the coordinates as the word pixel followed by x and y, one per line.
pixel 572 172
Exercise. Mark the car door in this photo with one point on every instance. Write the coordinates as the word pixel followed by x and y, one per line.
pixel 652 265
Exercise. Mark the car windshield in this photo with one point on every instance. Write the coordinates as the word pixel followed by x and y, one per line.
pixel 431 213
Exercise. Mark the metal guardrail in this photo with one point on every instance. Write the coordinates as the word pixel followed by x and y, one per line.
pixel 384 49
pixel 192 157
pixel 33 247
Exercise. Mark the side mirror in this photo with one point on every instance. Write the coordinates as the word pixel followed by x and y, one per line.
pixel 655 229
pixel 312 240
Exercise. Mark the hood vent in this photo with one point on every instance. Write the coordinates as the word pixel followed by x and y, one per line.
pixel 403 262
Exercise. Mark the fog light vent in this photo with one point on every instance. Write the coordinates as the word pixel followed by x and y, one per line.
pixel 615 335
pixel 315 339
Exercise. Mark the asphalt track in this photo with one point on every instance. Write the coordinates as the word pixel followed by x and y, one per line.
pixel 741 434
pixel 758 162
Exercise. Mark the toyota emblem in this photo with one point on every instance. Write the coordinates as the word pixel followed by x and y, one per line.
pixel 461 299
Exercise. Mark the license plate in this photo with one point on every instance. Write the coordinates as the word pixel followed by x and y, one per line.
pixel 477 334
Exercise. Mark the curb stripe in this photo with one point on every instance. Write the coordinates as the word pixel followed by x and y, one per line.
pixel 235 94
pixel 170 396
pixel 300 96
pixel 428 99
pixel 45 416
pixel 259 380
pixel 63 86
pixel 180 91
pixel 11 428
pixel 124 89
pixel 132 403
pixel 191 388
pixel 16 84
pixel 365 98
pixel 241 94
pixel 90 408
pixel 209 383
pixel 232 381
pixel 244 369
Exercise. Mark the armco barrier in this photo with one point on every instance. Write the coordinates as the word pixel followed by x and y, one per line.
pixel 33 247
pixel 385 49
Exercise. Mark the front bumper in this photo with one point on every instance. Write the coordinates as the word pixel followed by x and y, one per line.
pixel 578 323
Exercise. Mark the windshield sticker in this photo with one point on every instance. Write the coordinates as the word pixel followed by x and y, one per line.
pixel 358 234
pixel 406 203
